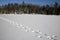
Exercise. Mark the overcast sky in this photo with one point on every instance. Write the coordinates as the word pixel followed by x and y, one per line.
pixel 39 2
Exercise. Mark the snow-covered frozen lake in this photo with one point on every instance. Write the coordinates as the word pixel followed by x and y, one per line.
pixel 48 25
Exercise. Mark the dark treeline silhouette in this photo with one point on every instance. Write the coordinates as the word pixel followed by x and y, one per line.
pixel 30 9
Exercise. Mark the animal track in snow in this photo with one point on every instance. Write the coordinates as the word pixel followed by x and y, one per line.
pixel 27 29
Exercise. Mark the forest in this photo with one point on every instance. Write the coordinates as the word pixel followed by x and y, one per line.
pixel 12 8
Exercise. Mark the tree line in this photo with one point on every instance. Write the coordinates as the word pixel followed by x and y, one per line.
pixel 12 8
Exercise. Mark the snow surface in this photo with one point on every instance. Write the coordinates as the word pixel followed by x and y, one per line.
pixel 47 24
